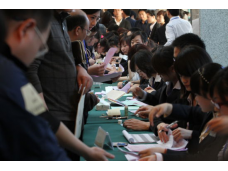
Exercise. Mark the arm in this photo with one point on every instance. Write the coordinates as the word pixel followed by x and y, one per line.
pixel 170 36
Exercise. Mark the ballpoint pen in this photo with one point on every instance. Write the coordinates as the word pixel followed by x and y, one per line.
pixel 169 126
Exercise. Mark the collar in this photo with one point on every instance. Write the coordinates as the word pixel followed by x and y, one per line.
pixel 157 78
pixel 173 18
pixel 177 86
pixel 61 16
pixel 7 53
pixel 118 23
pixel 152 25
pixel 127 17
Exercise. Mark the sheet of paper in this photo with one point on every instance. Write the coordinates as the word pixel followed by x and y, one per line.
pixel 114 94
pixel 109 56
pixel 126 87
pixel 129 98
pixel 126 95
pixel 114 112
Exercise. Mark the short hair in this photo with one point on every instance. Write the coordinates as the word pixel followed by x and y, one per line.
pixel 220 83
pixel 163 59
pixel 90 11
pixel 106 18
pixel 161 12
pixel 122 30
pixel 174 12
pixel 133 13
pixel 142 10
pixel 134 29
pixel 127 12
pixel 126 39
pixel 104 43
pixel 113 41
pixel 201 79
pixel 188 39
pixel 142 34
pixel 151 12
pixel 75 21
pixel 113 27
pixel 142 59
pixel 42 16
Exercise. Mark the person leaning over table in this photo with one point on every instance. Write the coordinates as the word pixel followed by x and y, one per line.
pixel 208 143
pixel 33 119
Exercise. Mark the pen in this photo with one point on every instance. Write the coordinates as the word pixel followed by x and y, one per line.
pixel 169 126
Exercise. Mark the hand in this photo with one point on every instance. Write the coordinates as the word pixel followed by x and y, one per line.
pixel 92 61
pixel 136 91
pixel 162 109
pixel 162 132
pixel 149 158
pixel 137 125
pixel 148 88
pixel 96 69
pixel 181 133
pixel 219 125
pixel 84 78
pixel 151 151
pixel 144 111
pixel 98 154
pixel 120 85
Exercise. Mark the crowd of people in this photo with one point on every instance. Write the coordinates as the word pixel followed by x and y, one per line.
pixel 46 56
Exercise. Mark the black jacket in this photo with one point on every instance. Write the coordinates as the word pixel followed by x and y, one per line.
pixel 154 30
pixel 132 22
pixel 160 35
pixel 124 24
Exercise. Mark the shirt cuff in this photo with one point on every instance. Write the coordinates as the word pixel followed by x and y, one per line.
pixel 144 96
pixel 159 156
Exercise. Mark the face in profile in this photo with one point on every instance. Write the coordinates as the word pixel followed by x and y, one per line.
pixel 204 103
pixel 141 73
pixel 186 82
pixel 160 19
pixel 93 19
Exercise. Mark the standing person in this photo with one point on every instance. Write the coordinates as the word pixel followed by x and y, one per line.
pixel 106 19
pixel 142 23
pixel 176 26
pixel 133 15
pixel 126 16
pixel 153 25
pixel 119 20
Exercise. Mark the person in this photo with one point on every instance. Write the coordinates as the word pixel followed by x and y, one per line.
pixel 106 19
pixel 113 27
pixel 139 37
pixel 176 26
pixel 186 40
pixel 132 30
pixel 119 20
pixel 133 15
pixel 142 23
pixel 218 92
pixel 93 16
pixel 184 14
pixel 153 25
pixel 31 128
pixel 163 20
pixel 208 143
pixel 126 16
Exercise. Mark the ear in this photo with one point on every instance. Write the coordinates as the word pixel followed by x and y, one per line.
pixel 25 28
pixel 76 30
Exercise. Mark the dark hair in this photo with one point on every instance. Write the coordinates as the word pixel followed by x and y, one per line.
pixel 127 12
pixel 188 39
pixel 166 18
pixel 42 16
pixel 133 13
pixel 163 59
pixel 111 11
pixel 75 21
pixel 151 12
pixel 142 10
pixel 134 29
pixel 113 41
pixel 190 59
pixel 151 44
pixel 2 30
pixel 122 30
pixel 220 83
pixel 132 51
pixel 126 39
pixel 142 59
pixel 201 79
pixel 90 11
pixel 113 27
pixel 182 13
pixel 174 12
pixel 142 34
pixel 106 18
pixel 95 28
pixel 104 43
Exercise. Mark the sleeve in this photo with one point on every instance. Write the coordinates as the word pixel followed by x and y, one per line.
pixel 159 156
pixel 170 36
pixel 153 97
pixel 128 25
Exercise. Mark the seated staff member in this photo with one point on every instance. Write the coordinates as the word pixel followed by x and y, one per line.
pixel 30 128
pixel 218 92
pixel 207 143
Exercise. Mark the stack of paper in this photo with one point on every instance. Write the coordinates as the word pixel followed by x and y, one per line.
pixel 114 94
pixel 139 138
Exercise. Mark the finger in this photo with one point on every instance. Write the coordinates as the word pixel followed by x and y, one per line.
pixel 143 152
pixel 151 115
pixel 165 137
pixel 174 126
pixel 140 109
pixel 109 155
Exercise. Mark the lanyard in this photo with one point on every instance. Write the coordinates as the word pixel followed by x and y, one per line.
pixel 87 60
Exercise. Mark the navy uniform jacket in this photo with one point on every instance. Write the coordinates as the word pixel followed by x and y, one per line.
pixel 131 21
pixel 24 136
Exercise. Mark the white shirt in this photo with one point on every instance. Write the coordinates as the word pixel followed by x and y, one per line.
pixel 175 28
pixel 152 26
pixel 118 23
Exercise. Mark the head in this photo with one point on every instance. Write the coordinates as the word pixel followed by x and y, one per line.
pixel 142 14
pixel 200 82
pixel 161 17
pixel 133 15
pixel 219 91
pixel 186 40
pixel 151 16
pixel 112 27
pixel 93 16
pixel 28 31
pixel 132 30
pixel 126 13
pixel 189 60
pixel 142 61
pixel 106 18
pixel 78 25
pixel 125 44
pixel 94 36
pixel 139 37
pixel 151 45
pixel 114 42
pixel 172 12
pixel 131 53
pixel 103 46
pixel 118 13
pixel 184 14
pixel 163 63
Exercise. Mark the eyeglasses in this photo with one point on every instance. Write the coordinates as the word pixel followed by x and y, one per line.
pixel 88 32
pixel 44 49
pixel 219 105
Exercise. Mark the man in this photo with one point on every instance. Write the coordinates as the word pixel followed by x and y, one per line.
pixel 153 25
pixel 142 23
pixel 176 26
pixel 119 20
pixel 126 16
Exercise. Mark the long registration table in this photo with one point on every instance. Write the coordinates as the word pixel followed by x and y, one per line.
pixel 111 126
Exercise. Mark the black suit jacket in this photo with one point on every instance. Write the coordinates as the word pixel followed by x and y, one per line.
pixel 160 35
pixel 132 22
pixel 154 30
pixel 208 149
pixel 124 24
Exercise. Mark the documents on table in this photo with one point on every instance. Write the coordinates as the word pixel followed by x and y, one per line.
pixel 129 107
pixel 109 56
pixel 139 138
pixel 126 87
pixel 114 112
pixel 115 94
